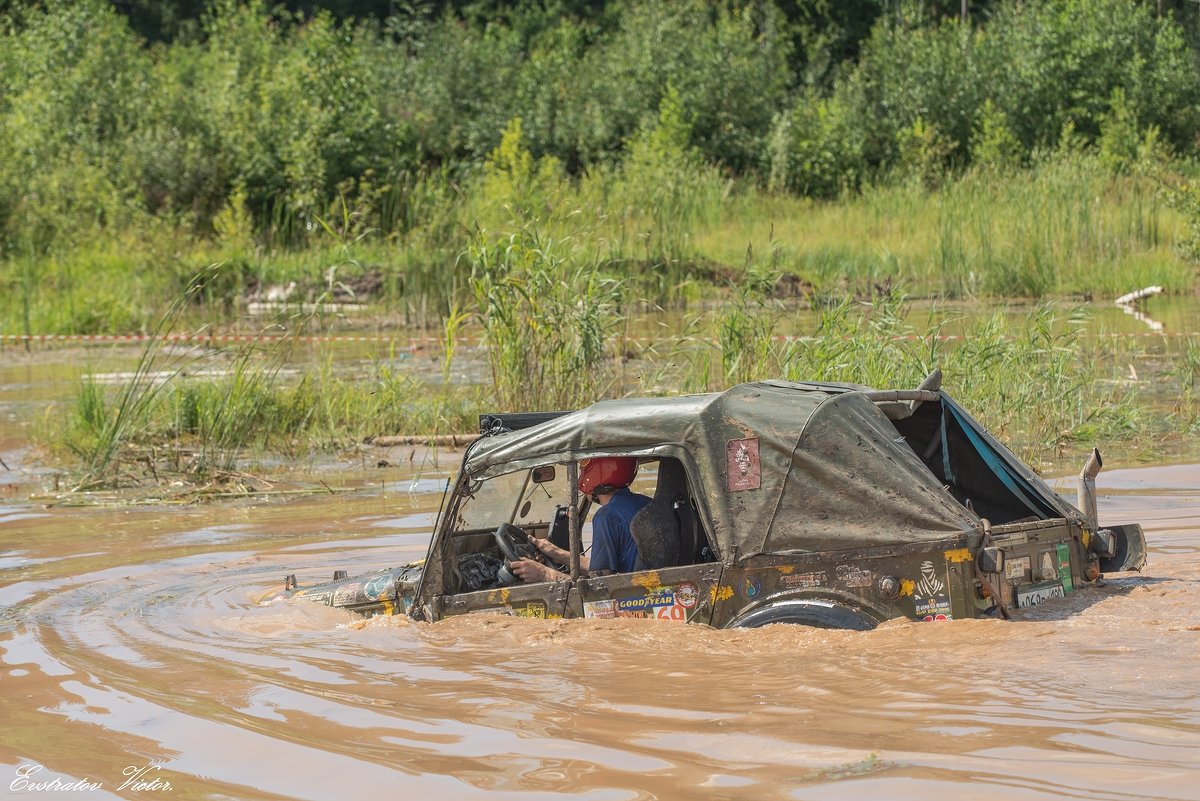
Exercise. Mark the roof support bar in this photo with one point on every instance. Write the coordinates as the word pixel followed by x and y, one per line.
pixel 576 536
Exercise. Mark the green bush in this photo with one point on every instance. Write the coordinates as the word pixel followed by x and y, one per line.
pixel 815 149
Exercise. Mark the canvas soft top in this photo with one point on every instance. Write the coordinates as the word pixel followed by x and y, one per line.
pixel 780 466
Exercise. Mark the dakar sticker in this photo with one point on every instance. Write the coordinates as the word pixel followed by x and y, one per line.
pixel 929 584
pixel 751 587
pixel 686 595
pixel 742 468
pixel 802 581
pixel 854 576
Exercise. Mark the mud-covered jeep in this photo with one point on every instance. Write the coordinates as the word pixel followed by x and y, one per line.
pixel 828 505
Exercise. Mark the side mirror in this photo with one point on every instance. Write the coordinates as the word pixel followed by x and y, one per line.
pixel 543 474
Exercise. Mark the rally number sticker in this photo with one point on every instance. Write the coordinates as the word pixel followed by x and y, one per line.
pixel 674 613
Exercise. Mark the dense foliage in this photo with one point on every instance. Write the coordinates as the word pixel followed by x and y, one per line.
pixel 342 145
pixel 286 110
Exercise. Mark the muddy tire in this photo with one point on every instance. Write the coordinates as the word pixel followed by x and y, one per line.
pixel 818 614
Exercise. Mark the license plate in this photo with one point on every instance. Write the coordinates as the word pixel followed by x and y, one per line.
pixel 1039 593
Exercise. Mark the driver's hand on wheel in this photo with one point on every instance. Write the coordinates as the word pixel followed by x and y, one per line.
pixel 550 550
pixel 530 571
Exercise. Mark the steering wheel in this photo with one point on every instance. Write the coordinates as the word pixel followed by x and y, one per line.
pixel 506 536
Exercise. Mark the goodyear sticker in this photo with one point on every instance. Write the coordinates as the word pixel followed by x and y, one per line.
pixel 664 604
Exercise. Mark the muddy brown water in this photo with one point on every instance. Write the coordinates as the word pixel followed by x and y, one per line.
pixel 133 649
pixel 132 639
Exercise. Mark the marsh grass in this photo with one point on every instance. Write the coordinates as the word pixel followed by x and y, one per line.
pixel 551 322
pixel 196 414
pixel 548 321
pixel 1038 382
pixel 223 416
pixel 99 430
pixel 203 429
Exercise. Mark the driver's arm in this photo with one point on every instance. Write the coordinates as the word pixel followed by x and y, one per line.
pixel 560 555
pixel 530 571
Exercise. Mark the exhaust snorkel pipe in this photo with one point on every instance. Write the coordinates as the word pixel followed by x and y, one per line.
pixel 1086 497
pixel 1119 548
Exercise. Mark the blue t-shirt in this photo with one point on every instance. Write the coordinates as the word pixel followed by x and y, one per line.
pixel 612 546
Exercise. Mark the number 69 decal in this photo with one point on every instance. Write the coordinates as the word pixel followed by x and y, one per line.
pixel 674 613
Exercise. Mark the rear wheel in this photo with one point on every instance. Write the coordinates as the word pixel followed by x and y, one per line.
pixel 818 614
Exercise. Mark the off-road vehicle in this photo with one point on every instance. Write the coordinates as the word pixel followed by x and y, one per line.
pixel 829 505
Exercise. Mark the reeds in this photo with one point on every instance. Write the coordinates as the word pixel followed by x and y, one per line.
pixel 547 320
pixel 99 430
pixel 1039 382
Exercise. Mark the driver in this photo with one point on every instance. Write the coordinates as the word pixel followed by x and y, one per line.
pixel 606 481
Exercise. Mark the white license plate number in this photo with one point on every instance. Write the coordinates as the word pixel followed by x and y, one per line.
pixel 1040 593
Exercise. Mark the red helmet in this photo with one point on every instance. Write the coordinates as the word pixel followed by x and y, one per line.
pixel 611 471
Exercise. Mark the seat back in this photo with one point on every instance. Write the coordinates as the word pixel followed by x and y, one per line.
pixel 664 529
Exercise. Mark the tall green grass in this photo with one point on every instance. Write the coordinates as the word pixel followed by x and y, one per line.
pixel 101 428
pixel 1039 382
pixel 671 230
pixel 548 321
pixel 206 424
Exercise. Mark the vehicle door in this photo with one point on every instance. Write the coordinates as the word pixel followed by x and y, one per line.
pixel 683 594
pixel 526 499
pixel 544 600
pixel 678 594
